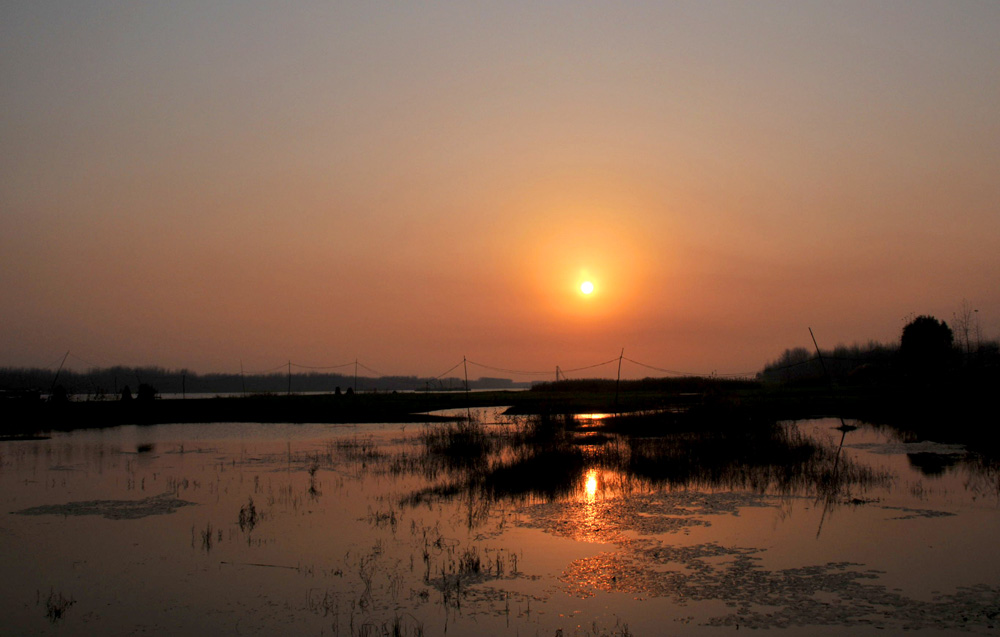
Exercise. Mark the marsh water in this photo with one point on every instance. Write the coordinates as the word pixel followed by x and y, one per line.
pixel 502 527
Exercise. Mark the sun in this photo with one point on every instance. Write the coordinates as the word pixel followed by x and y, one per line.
pixel 587 287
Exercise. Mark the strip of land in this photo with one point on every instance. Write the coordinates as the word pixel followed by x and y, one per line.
pixel 945 412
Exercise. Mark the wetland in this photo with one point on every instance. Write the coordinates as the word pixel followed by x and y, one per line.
pixel 580 524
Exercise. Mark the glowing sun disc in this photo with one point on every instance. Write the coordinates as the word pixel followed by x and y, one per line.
pixel 587 287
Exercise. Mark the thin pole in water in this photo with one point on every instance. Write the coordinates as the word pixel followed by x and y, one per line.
pixel 468 407
pixel 819 355
pixel 619 381
pixel 829 379
pixel 289 378
pixel 53 388
pixel 844 428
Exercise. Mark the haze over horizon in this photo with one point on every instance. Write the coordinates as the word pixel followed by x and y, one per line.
pixel 192 185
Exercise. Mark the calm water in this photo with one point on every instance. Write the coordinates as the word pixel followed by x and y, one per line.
pixel 362 530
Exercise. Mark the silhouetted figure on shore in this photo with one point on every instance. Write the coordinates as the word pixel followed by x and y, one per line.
pixel 126 394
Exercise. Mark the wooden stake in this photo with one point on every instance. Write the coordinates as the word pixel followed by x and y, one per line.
pixel 53 388
pixel 468 406
pixel 619 381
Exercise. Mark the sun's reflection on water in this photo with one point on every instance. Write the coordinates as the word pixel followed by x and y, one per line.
pixel 590 486
pixel 586 518
pixel 586 418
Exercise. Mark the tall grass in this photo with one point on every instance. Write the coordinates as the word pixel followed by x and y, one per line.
pixel 715 446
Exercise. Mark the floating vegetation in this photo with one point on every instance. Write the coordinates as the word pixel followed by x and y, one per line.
pixel 837 593
pixel 910 514
pixel 112 509
pixel 831 595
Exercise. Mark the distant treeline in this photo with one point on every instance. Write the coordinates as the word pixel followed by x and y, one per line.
pixel 110 382
pixel 934 384
pixel 877 363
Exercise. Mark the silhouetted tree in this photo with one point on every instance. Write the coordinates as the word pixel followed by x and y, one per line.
pixel 146 392
pixel 926 345
pixel 963 322
pixel 59 395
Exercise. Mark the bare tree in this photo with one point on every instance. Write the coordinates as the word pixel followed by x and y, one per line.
pixel 964 320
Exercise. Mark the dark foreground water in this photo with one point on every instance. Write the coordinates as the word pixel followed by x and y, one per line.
pixel 248 529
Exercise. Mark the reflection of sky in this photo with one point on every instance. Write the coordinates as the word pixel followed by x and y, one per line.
pixel 663 544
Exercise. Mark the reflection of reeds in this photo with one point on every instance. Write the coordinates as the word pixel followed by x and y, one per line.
pixel 983 476
pixel 327 603
pixel 313 467
pixel 248 517
pixel 776 459
pixel 398 626
pixel 382 519
pixel 356 449
pixel 547 456
pixel 56 606
pixel 208 537
pixel 549 472
pixel 470 563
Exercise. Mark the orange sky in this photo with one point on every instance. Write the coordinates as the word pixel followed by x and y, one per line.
pixel 198 184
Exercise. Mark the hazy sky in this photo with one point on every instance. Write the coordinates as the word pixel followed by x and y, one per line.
pixel 195 184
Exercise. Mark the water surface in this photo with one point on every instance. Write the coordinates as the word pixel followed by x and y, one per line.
pixel 368 529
